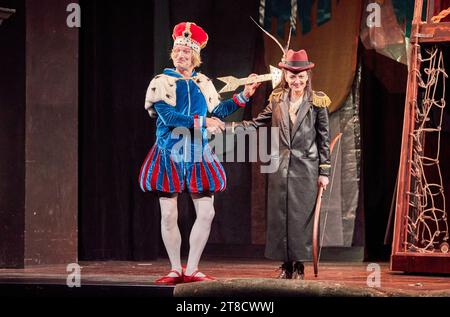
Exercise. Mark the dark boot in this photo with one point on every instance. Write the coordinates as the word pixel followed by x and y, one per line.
pixel 286 270
pixel 298 271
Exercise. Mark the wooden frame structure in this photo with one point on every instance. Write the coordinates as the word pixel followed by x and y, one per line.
pixel 404 258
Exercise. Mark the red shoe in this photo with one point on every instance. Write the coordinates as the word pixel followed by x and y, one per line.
pixel 194 278
pixel 170 280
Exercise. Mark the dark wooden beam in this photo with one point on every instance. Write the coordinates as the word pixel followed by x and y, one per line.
pixel 434 32
pixel 404 176
pixel 421 263
pixel 51 121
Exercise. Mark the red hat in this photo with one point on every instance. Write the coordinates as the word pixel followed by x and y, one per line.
pixel 296 61
pixel 191 35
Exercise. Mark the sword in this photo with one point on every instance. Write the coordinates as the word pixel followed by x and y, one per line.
pixel 232 83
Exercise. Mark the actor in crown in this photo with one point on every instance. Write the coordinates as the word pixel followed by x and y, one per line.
pixel 182 97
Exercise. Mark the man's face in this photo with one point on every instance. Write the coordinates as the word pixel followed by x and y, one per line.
pixel 182 57
pixel 297 81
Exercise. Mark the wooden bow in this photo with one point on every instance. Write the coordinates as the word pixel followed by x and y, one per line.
pixel 316 236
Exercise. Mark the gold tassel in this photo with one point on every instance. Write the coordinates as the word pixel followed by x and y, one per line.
pixel 276 95
pixel 320 99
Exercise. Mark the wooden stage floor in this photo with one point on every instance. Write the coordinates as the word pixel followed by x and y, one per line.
pixel 141 275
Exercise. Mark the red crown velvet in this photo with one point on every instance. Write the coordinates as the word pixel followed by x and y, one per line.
pixel 191 35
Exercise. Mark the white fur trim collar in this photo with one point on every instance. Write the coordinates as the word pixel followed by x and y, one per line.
pixel 163 88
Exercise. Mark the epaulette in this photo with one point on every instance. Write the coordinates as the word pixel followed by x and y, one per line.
pixel 276 95
pixel 320 99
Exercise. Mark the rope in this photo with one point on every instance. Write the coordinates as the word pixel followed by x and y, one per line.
pixel 427 226
pixel 440 16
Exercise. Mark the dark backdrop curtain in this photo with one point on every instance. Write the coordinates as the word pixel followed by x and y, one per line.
pixel 117 220
pixel 382 99
pixel 116 64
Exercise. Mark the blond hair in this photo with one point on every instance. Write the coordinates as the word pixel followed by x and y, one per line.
pixel 196 59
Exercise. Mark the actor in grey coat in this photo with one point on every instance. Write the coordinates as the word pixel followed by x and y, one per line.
pixel 304 162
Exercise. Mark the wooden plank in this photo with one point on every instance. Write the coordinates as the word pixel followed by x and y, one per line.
pixel 348 274
pixel 434 32
pixel 404 179
pixel 421 263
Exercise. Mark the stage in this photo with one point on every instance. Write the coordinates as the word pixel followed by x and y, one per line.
pixel 235 278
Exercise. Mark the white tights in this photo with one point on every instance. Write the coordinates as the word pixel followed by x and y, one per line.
pixel 204 208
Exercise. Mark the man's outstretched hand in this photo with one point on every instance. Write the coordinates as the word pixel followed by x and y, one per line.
pixel 250 89
pixel 214 125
